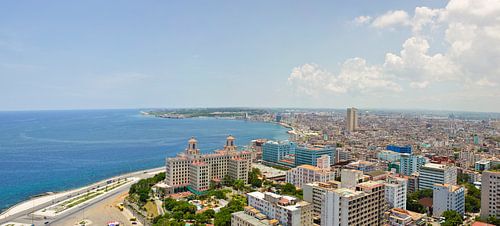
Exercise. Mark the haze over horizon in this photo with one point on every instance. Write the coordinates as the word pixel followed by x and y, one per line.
pixel 438 55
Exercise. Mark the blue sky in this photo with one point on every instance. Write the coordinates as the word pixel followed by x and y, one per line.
pixel 128 54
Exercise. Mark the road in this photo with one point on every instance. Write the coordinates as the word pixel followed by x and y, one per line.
pixel 73 213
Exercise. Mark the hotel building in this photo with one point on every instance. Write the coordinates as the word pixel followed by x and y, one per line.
pixel 447 197
pixel 431 174
pixel 490 194
pixel 194 171
pixel 287 210
pixel 307 174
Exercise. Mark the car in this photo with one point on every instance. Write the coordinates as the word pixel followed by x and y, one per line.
pixel 46 222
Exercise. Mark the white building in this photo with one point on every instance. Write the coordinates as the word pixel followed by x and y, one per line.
pixel 286 209
pixel 431 174
pixel 323 162
pixel 448 197
pixel 307 174
pixel 490 194
pixel 350 177
pixel 396 189
pixel 315 192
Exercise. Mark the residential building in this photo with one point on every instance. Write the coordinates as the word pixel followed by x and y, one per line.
pixel 402 217
pixel 490 194
pixel 413 182
pixel 363 206
pixel 286 209
pixel 194 171
pixel 350 177
pixel 315 192
pixel 481 165
pixel 432 173
pixel 352 119
pixel 410 163
pixel 389 156
pixel 251 217
pixel 364 166
pixel 447 197
pixel 308 154
pixel 395 191
pixel 324 162
pixel 307 174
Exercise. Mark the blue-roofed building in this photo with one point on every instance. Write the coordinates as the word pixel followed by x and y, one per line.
pixel 308 155
pixel 399 149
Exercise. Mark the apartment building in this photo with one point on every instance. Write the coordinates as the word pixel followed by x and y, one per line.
pixel 396 189
pixel 194 171
pixel 306 174
pixel 490 194
pixel 350 177
pixel 410 163
pixel 432 173
pixel 402 217
pixel 251 217
pixel 447 197
pixel 286 209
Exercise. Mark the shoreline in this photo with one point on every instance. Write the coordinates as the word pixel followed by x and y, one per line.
pixel 46 197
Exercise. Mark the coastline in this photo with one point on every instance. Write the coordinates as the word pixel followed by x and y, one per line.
pixel 46 197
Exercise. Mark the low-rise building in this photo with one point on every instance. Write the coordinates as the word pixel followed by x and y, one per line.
pixel 306 174
pixel 402 217
pixel 251 217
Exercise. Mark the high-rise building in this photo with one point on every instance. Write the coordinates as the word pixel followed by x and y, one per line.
pixel 410 164
pixel 352 119
pixel 308 155
pixel 363 206
pixel 447 197
pixel 286 209
pixel 432 173
pixel 315 192
pixel 490 194
pixel 274 151
pixel 194 171
pixel 307 174
pixel 395 191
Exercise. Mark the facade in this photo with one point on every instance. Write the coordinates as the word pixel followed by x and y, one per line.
pixel 447 197
pixel 275 151
pixel 308 155
pixel 287 210
pixel 251 217
pixel 395 192
pixel 402 217
pixel 363 206
pixel 194 171
pixel 307 174
pixel 350 177
pixel 413 182
pixel 490 194
pixel 352 119
pixel 399 149
pixel 431 174
pixel 315 192
pixel 410 164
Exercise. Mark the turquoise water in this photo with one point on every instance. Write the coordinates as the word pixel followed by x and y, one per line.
pixel 44 151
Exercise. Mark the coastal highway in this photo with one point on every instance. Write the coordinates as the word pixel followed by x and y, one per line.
pixel 24 216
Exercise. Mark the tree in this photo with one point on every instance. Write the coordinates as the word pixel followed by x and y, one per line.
pixel 493 220
pixel 253 177
pixel 289 189
pixel 227 180
pixel 452 218
pixel 239 184
pixel 472 204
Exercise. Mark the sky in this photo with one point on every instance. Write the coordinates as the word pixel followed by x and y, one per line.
pixel 439 55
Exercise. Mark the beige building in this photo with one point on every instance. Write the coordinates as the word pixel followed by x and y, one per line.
pixel 307 174
pixel 251 217
pixel 402 217
pixel 195 171
pixel 314 193
pixel 352 119
pixel 490 194
pixel 287 210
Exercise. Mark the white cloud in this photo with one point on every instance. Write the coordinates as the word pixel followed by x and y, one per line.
pixel 392 18
pixel 362 20
pixel 469 31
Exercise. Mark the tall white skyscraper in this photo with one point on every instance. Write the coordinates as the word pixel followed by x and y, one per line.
pixel 352 119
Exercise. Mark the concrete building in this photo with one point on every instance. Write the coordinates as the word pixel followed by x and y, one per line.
pixel 308 155
pixel 251 217
pixel 410 164
pixel 324 162
pixel 413 182
pixel 307 174
pixel 447 197
pixel 275 151
pixel 286 209
pixel 350 177
pixel 402 217
pixel 482 165
pixel 389 156
pixel 431 174
pixel 490 194
pixel 194 171
pixel 352 119
pixel 400 149
pixel 363 206
pixel 395 192
pixel 315 192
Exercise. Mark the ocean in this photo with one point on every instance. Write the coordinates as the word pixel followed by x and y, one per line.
pixel 43 151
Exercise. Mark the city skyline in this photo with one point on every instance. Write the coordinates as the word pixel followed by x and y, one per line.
pixel 438 55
